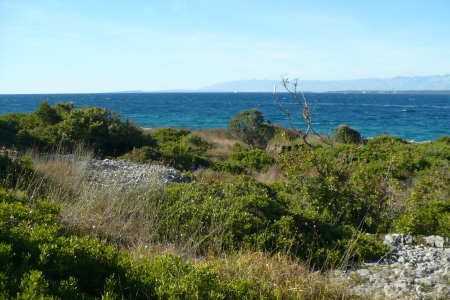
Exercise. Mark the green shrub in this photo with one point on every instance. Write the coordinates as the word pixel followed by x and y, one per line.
pixel 181 148
pixel 100 128
pixel 144 154
pixel 7 137
pixel 346 135
pixel 340 189
pixel 167 134
pixel 427 207
pixel 15 173
pixel 253 159
pixel 249 215
pixel 37 260
pixel 249 126
pixel 231 167
pixel 103 130
pixel 443 139
pixel 431 219
pixel 47 114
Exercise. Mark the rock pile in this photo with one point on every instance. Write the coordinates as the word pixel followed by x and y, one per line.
pixel 409 271
pixel 127 175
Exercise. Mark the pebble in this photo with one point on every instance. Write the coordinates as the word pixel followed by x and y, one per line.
pixel 128 175
pixel 409 271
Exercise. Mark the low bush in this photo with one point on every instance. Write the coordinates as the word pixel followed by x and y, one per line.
pixel 443 139
pixel 426 209
pixel 181 148
pixel 15 172
pixel 217 217
pixel 253 159
pixel 346 135
pixel 231 167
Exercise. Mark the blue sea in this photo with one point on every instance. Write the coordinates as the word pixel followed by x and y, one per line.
pixel 418 117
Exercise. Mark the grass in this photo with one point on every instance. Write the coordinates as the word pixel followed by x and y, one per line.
pixel 223 147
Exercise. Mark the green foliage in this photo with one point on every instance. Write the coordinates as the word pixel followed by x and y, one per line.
pixel 38 260
pixel 427 208
pixel 14 170
pixel 231 167
pixel 443 139
pixel 253 159
pixel 47 114
pixel 7 135
pixel 63 109
pixel 167 134
pixel 181 148
pixel 146 154
pixel 103 129
pixel 346 135
pixel 339 190
pixel 249 126
pixel 239 163
pixel 245 214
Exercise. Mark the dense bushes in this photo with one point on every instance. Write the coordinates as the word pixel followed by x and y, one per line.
pixel 239 162
pixel 103 129
pixel 38 259
pixel 427 207
pixel 363 186
pixel 246 214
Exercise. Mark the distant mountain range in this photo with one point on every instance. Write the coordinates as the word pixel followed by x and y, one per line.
pixel 400 83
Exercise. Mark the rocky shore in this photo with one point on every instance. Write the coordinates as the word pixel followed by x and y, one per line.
pixel 409 271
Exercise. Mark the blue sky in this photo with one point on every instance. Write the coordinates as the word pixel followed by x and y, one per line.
pixel 100 46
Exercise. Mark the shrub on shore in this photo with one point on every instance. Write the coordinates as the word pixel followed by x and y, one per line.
pixel 103 129
pixel 346 135
pixel 249 126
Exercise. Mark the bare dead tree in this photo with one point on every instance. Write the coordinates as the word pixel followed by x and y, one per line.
pixel 307 111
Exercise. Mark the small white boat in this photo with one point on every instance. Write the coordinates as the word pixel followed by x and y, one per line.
pixel 274 89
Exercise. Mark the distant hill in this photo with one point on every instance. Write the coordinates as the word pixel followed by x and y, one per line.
pixel 400 83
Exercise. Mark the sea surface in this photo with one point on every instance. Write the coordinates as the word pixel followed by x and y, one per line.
pixel 418 117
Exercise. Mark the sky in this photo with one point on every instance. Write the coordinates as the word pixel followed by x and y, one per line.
pixel 52 46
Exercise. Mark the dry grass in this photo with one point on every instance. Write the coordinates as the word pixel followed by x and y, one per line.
pixel 288 279
pixel 274 174
pixel 89 208
pixel 280 274
pixel 223 145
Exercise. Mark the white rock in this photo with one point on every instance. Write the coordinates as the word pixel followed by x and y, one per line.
pixel 429 240
pixel 439 241
pixel 363 272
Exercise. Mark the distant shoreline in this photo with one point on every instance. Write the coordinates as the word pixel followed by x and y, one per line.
pixel 387 92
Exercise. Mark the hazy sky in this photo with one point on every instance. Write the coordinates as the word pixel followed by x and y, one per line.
pixel 99 46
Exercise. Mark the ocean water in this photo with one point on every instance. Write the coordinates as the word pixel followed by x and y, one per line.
pixel 418 117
